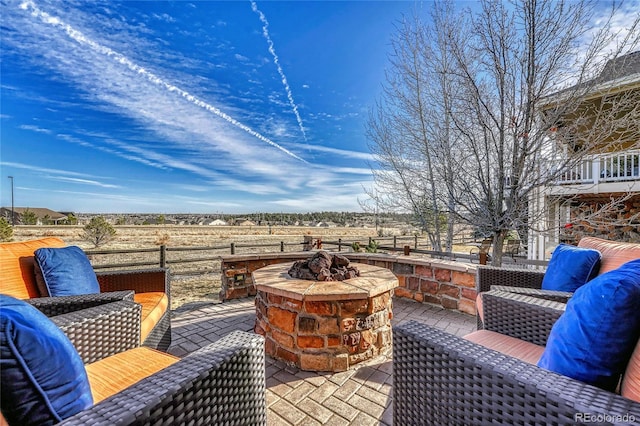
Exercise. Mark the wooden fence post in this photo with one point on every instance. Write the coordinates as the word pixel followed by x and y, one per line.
pixel 339 244
pixel 163 256
pixel 233 248
pixel 281 246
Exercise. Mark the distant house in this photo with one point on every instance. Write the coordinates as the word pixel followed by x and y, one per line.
pixel 246 223
pixel 218 222
pixel 42 215
pixel 326 224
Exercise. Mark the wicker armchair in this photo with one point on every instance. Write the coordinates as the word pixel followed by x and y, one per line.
pixel 222 383
pixel 442 379
pixel 151 287
pixel 145 281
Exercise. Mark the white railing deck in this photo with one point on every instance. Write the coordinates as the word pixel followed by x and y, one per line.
pixel 613 167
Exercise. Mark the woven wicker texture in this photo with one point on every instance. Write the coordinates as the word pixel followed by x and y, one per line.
pixel 221 384
pixel 52 306
pixel 141 281
pixel 557 296
pixel 441 379
pixel 520 316
pixel 102 331
pixel 488 276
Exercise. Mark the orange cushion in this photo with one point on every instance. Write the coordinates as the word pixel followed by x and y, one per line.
pixel 631 378
pixel 614 254
pixel 480 307
pixel 17 276
pixel 115 373
pixel 154 305
pixel 521 349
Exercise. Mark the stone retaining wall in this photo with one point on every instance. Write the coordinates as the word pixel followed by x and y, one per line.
pixel 442 282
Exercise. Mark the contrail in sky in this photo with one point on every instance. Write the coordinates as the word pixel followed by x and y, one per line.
pixel 272 50
pixel 80 38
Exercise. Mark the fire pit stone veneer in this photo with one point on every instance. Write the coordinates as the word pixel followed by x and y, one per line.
pixel 324 325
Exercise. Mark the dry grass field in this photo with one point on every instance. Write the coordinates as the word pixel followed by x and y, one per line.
pixel 196 282
pixel 200 281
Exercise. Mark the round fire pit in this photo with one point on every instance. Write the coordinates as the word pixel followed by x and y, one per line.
pixel 324 325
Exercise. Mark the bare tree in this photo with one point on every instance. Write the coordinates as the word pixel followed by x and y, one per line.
pixel 485 117
pixel 408 137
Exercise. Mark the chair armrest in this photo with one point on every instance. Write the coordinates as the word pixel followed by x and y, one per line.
pixel 520 316
pixel 488 276
pixel 140 281
pixel 439 378
pixel 103 330
pixel 223 383
pixel 52 306
pixel 556 296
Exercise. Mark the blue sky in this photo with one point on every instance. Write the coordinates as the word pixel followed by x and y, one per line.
pixel 190 106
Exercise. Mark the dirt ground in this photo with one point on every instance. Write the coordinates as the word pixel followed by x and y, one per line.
pixel 200 281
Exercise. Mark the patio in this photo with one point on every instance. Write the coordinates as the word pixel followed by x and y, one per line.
pixel 361 396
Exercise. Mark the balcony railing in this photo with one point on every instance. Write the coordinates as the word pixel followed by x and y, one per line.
pixel 613 167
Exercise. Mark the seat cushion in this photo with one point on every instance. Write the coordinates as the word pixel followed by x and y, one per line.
pixel 16 266
pixel 43 379
pixel 521 349
pixel 65 271
pixel 480 307
pixel 112 374
pixel 631 380
pixel 614 254
pixel 571 267
pixel 154 306
pixel 594 338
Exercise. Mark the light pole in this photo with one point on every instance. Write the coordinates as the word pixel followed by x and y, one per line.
pixel 13 216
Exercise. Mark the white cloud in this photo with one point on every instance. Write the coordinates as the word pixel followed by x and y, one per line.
pixel 276 61
pixel 41 169
pixel 181 131
pixel 164 17
pixel 34 128
pixel 84 182
pixel 340 152
pixel 121 78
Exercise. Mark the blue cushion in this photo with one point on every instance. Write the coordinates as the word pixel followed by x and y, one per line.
pixel 570 267
pixel 593 340
pixel 43 379
pixel 66 272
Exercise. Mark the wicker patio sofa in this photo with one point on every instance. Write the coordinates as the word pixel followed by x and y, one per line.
pixel 614 254
pixel 151 288
pixel 529 282
pixel 222 383
pixel 442 379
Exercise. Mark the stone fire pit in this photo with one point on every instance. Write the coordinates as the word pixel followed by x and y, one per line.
pixel 324 325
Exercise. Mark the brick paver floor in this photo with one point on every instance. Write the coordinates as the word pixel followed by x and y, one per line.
pixel 361 396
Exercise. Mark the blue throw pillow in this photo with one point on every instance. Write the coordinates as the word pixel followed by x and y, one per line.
pixel 571 267
pixel 66 272
pixel 593 340
pixel 43 379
